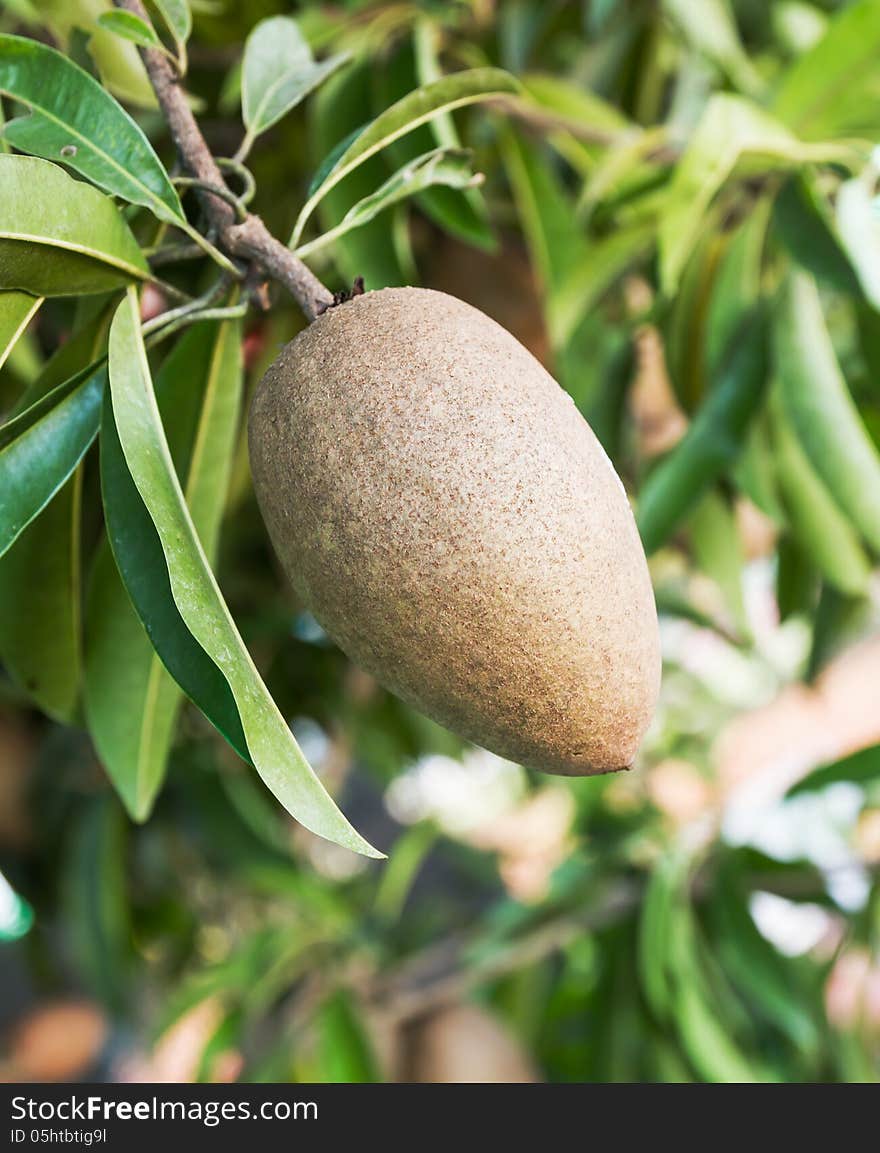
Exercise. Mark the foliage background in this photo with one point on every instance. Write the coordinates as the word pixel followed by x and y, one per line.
pixel 678 218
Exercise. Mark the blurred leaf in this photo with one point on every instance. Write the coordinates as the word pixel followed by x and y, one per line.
pixel 87 248
pixel 417 108
pixel 710 29
pixel 832 89
pixel 755 471
pixel 17 310
pixel 797 584
pixel 443 166
pixel 40 604
pixel 732 137
pixel 177 17
pixel 570 101
pixel 713 441
pixel 130 26
pixel 860 232
pixel 404 863
pixel 199 391
pixel 96 901
pixel 861 768
pixel 279 71
pixel 556 244
pixel 802 221
pixel 74 120
pixel 817 523
pixel 840 619
pixel 718 552
pixel 275 753
pixel 345 1056
pixel 816 401
pixel 40 449
pixel 604 261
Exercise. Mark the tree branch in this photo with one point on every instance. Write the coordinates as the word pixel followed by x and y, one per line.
pixel 249 240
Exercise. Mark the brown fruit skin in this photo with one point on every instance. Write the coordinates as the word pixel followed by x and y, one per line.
pixel 454 524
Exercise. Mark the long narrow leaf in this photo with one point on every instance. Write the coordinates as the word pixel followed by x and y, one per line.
pixel 274 751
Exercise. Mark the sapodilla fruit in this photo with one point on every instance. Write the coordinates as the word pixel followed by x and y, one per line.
pixel 452 521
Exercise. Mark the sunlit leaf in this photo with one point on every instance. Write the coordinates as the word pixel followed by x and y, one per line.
pixel 74 121
pixel 85 248
pixel 273 749
pixel 859 231
pixel 710 28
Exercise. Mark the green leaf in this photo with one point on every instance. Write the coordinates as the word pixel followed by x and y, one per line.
pixel 129 26
pixel 717 549
pixel 709 28
pixel 733 136
pixel 442 167
pixel 335 120
pixel 821 410
pixel 860 232
pixel 40 604
pixel 40 449
pixel 556 244
pixel 199 391
pixel 275 753
pixel 177 17
pixel 713 441
pixel 17 310
pixel 95 898
pixel 862 768
pixel 817 523
pixel 58 236
pixel 603 263
pixel 806 227
pixel 278 72
pixel 417 108
pixel 140 560
pixel 832 90
pixel 75 121
pixel 413 63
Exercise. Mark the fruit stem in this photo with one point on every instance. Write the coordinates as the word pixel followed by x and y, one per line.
pixel 250 239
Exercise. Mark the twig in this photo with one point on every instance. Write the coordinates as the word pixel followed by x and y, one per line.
pixel 249 240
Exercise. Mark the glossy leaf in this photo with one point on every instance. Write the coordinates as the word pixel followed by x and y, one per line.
pixel 279 71
pixel 199 394
pixel 40 604
pixel 713 441
pixel 442 167
pixel 40 449
pixel 17 310
pixel 816 521
pixel 86 247
pixel 831 89
pixel 130 26
pixel 274 751
pixel 820 409
pixel 419 107
pixel 73 120
pixel 733 136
